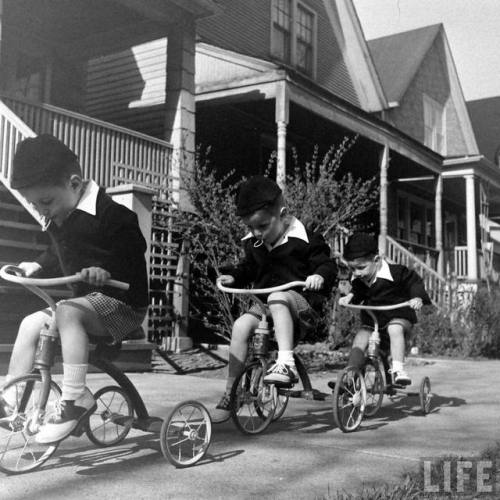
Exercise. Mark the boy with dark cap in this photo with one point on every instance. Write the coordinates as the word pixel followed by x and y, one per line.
pixel 278 249
pixel 375 282
pixel 91 235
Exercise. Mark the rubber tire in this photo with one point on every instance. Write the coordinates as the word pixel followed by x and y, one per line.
pixel 197 434
pixel 39 453
pixel 105 414
pixel 350 378
pixel 253 403
pixel 425 395
pixel 374 398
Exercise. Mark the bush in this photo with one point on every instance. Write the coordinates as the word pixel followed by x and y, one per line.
pixel 315 193
pixel 472 329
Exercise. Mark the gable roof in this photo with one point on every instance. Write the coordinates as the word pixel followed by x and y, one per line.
pixel 398 58
pixel 485 118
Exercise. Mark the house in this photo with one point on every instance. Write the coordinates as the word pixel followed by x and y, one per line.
pixel 120 82
pixel 126 141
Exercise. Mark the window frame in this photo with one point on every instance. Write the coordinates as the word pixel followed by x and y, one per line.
pixel 434 125
pixel 292 60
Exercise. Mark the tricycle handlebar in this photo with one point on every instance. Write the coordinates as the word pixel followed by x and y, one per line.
pixel 258 291
pixel 11 273
pixel 377 308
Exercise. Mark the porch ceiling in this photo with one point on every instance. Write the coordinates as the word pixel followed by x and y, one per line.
pixel 79 28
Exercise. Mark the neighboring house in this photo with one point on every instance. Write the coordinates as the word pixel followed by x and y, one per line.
pixel 426 102
pixel 48 52
pixel 485 118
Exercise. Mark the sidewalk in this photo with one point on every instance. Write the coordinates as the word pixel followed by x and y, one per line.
pixel 301 456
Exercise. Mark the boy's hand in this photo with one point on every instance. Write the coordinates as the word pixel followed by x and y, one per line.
pixel 416 303
pixel 95 276
pixel 343 301
pixel 225 279
pixel 314 282
pixel 29 268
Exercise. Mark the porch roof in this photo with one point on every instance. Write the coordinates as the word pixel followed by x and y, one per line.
pixel 227 76
pixel 79 29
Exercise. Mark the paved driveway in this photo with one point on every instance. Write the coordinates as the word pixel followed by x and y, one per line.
pixel 303 455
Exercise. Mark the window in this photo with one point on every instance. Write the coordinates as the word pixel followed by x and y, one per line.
pixel 434 125
pixel 293 35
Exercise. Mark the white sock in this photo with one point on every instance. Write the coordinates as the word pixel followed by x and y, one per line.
pixel 286 357
pixel 397 366
pixel 73 385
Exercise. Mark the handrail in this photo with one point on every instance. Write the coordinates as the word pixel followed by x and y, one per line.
pixel 84 118
pixel 13 130
pixel 108 153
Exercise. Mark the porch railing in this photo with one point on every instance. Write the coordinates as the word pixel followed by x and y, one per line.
pixel 100 146
pixel 436 286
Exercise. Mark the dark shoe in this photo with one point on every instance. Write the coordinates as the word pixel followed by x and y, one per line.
pixel 70 413
pixel 223 409
pixel 281 374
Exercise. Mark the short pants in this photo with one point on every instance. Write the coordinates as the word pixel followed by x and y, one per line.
pixel 384 336
pixel 305 318
pixel 119 318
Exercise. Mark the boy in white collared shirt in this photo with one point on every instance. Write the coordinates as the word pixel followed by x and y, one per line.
pixel 278 250
pixel 375 282
pixel 91 235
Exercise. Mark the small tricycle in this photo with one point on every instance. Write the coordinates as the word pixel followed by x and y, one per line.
pixel 359 393
pixel 184 436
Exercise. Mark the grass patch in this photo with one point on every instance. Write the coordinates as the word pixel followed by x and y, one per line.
pixel 412 485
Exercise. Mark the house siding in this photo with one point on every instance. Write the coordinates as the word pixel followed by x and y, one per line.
pixel 432 80
pixel 232 30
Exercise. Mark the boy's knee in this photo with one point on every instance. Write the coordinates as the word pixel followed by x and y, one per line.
pixel 277 298
pixel 33 323
pixel 242 328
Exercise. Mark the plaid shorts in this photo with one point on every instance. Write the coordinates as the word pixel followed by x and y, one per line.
pixel 118 318
pixel 304 316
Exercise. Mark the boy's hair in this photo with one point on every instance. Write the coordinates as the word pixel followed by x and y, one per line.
pixel 43 160
pixel 257 193
pixel 359 246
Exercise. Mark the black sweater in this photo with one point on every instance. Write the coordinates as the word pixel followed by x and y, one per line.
pixel 111 240
pixel 294 260
pixel 406 285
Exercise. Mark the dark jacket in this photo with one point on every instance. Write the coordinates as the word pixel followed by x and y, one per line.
pixel 294 260
pixel 406 285
pixel 111 240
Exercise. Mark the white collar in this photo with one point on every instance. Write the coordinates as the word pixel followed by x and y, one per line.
pixel 88 201
pixel 384 272
pixel 295 230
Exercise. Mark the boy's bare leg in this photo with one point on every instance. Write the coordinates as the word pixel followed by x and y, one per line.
pixel 23 352
pixel 396 334
pixel 242 329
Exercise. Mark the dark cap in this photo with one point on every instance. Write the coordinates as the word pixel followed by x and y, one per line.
pixel 360 245
pixel 40 159
pixel 256 193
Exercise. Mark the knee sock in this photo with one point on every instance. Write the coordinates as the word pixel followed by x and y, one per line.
pixel 286 357
pixel 356 358
pixel 73 384
pixel 397 366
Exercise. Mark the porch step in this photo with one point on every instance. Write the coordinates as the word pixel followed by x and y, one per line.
pixel 135 356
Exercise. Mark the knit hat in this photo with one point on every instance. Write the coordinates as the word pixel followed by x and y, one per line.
pixel 40 159
pixel 256 193
pixel 360 245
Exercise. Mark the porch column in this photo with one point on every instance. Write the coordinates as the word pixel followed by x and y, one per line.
pixel 470 210
pixel 180 132
pixel 139 199
pixel 384 167
pixel 438 223
pixel 179 123
pixel 281 117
